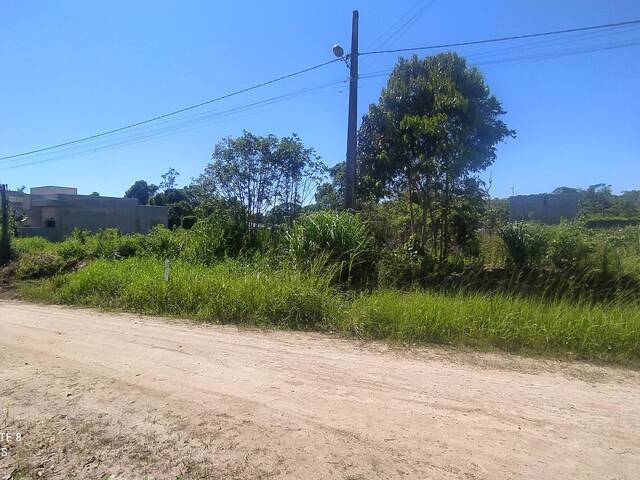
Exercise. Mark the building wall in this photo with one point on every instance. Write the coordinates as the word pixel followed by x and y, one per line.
pixel 51 190
pixel 148 216
pixel 87 212
pixel 545 207
pixel 95 213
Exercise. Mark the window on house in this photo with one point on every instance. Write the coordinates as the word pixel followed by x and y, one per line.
pixel 50 222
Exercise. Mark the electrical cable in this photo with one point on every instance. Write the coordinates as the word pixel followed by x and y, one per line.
pixel 175 112
pixel 503 39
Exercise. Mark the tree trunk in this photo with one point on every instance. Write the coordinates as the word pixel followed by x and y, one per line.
pixel 444 252
pixel 411 214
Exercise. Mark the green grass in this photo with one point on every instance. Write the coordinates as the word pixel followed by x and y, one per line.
pixel 23 246
pixel 228 292
pixel 604 332
pixel 257 294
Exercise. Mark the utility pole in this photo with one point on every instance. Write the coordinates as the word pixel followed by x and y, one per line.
pixel 5 239
pixel 352 130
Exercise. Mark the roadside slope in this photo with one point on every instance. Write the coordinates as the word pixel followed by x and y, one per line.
pixel 98 394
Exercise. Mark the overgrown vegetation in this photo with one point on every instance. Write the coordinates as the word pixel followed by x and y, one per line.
pixel 428 257
pixel 339 240
pixel 256 294
pixel 228 292
pixel 327 274
pixel 602 331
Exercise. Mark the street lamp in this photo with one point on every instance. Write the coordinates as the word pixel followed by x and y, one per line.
pixel 338 51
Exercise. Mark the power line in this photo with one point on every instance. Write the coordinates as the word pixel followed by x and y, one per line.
pixel 557 54
pixel 414 14
pixel 300 72
pixel 504 39
pixel 175 123
pixel 175 112
pixel 523 58
pixel 576 38
pixel 402 29
pixel 389 32
pixel 183 125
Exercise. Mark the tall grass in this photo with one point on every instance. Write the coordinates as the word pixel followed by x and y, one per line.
pixel 227 292
pixel 605 332
pixel 339 239
pixel 256 294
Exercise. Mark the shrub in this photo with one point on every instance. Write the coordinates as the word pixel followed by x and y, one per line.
pixel 163 243
pixel 405 266
pixel 32 244
pixel 39 264
pixel 269 241
pixel 525 243
pixel 568 249
pixel 215 237
pixel 339 239
pixel 492 249
pixel 188 221
pixel 71 249
pixel 610 222
pixel 110 243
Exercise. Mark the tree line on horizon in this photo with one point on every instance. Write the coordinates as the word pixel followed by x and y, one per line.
pixel 422 148
pixel 423 145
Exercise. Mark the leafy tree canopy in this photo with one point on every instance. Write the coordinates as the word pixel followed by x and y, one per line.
pixel 169 179
pixel 260 173
pixel 142 191
pixel 435 126
pixel 330 195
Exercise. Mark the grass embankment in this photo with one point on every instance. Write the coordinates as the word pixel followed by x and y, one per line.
pixel 228 292
pixel 255 294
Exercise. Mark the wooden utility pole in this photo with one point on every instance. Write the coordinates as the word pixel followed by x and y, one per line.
pixel 352 130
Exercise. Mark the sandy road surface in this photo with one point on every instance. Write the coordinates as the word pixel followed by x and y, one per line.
pixel 97 394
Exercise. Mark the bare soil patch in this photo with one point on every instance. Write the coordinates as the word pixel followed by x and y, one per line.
pixel 97 395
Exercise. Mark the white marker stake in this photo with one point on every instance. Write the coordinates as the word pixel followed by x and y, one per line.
pixel 166 270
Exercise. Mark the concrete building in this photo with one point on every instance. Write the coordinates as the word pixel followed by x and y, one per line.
pixel 545 207
pixel 54 212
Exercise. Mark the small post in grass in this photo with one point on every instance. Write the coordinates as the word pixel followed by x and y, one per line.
pixel 166 270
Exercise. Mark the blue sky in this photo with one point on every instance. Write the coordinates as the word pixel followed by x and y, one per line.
pixel 75 68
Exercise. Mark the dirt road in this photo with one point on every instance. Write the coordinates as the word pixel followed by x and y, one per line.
pixel 96 394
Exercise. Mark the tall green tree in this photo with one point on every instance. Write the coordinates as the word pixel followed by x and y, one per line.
pixel 142 191
pixel 169 179
pixel 598 199
pixel 567 190
pixel 241 170
pixel 181 203
pixel 298 170
pixel 630 203
pixel 435 127
pixel 261 173
pixel 330 195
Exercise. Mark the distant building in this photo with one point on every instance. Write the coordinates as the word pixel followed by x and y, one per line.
pixel 545 207
pixel 54 212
